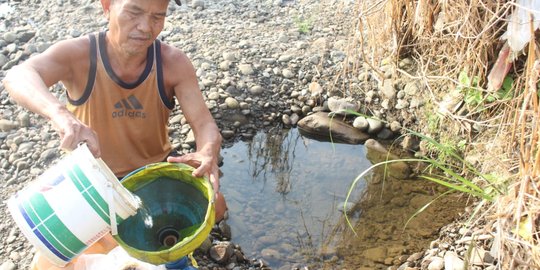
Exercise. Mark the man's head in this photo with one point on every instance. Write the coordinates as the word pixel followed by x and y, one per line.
pixel 134 24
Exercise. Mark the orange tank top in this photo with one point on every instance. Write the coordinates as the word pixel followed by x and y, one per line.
pixel 130 119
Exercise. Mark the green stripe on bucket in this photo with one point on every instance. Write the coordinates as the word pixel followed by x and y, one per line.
pixel 51 227
pixel 90 194
pixel 96 196
pixel 54 229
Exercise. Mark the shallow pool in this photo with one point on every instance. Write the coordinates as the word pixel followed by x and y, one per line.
pixel 283 192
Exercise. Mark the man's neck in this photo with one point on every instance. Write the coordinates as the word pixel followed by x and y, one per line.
pixel 127 66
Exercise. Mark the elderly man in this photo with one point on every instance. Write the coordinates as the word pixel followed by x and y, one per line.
pixel 121 84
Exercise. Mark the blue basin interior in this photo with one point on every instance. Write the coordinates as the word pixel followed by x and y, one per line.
pixel 177 210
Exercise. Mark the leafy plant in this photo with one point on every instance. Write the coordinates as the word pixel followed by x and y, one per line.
pixel 474 95
pixel 304 25
pixel 469 87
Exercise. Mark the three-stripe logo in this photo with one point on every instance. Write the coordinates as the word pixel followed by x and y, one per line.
pixel 128 107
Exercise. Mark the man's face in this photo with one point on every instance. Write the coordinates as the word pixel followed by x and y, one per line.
pixel 135 24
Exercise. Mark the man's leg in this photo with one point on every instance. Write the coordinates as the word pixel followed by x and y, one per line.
pixel 221 207
pixel 102 246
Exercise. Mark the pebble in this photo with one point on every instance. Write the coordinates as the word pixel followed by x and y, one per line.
pixel 8 265
pixel 452 261
pixel 221 252
pixel 436 264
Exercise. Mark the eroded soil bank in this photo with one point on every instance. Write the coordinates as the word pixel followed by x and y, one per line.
pixel 260 64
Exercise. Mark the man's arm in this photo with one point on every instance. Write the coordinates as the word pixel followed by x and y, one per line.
pixel 207 135
pixel 28 85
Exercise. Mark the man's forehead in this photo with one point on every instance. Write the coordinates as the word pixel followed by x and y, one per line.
pixel 178 2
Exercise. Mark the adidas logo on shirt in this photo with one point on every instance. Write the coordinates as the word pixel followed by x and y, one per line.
pixel 128 107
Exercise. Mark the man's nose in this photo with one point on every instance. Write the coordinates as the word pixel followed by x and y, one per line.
pixel 144 24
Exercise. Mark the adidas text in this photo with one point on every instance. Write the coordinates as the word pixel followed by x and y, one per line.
pixel 130 114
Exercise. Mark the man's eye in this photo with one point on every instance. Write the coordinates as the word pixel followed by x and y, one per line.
pixel 158 18
pixel 133 13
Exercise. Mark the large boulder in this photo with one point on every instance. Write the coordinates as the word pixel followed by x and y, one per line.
pixel 322 127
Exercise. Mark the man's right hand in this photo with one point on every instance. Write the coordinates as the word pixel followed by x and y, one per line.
pixel 73 132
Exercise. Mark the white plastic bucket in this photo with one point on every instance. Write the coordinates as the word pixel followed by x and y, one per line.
pixel 68 207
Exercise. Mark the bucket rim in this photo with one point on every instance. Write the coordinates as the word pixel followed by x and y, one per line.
pixel 195 239
pixel 129 202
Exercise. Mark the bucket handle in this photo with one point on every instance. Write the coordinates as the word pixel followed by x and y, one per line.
pixel 112 212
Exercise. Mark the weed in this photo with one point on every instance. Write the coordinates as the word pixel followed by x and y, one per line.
pixel 475 96
pixel 304 25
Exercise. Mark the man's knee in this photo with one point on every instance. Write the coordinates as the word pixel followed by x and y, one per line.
pixel 102 246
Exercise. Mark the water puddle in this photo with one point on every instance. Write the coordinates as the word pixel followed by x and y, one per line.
pixel 285 192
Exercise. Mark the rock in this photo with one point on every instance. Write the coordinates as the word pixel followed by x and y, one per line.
pixel 227 134
pixel 319 125
pixel 411 89
pixel 339 105
pixel 385 134
pixel 294 119
pixel 395 126
pixel 256 90
pixel 48 154
pixel 374 125
pixel 377 254
pixel 26 35
pixel 225 65
pixel 177 119
pixel 268 61
pixel 410 143
pixel 287 73
pixel 436 263
pixel 3 60
pixel 246 69
pixel 286 120
pixel 345 207
pixel 7 125
pixel 402 104
pixel 377 153
pixel 361 123
pixel 388 91
pixel 10 37
pixel 315 89
pixel 205 246
pixel 190 138
pixel 453 262
pixel 415 256
pixel 198 4
pixel 285 58
pixel 221 252
pixel 270 254
pixel 232 103
pixel 229 56
pixel 225 229
pixel 8 265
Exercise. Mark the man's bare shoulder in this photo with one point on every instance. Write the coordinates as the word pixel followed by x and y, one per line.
pixel 174 57
pixel 64 61
pixel 66 50
pixel 178 71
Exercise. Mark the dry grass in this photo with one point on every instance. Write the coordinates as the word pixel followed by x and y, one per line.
pixel 448 37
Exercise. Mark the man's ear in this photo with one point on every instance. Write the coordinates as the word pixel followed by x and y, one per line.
pixel 106 4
